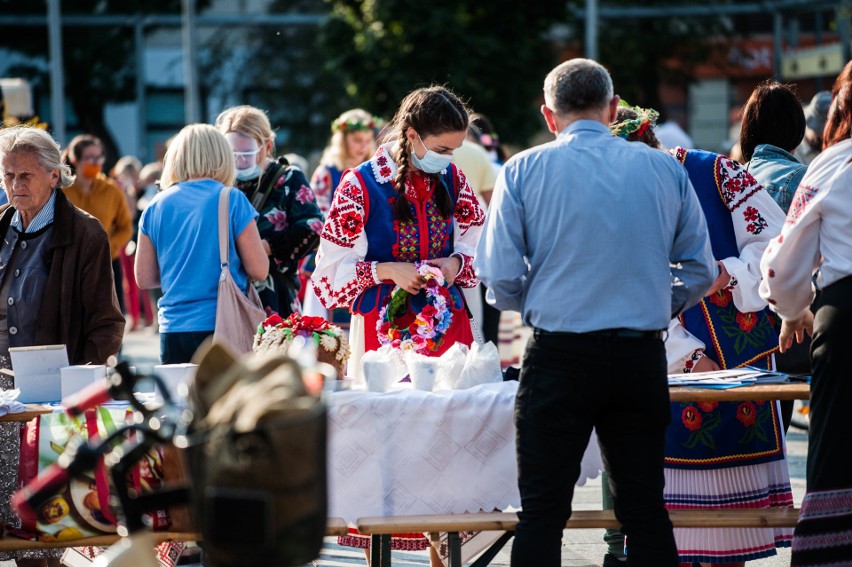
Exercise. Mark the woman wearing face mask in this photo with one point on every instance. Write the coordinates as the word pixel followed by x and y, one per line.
pixel 99 196
pixel 290 220
pixel 407 204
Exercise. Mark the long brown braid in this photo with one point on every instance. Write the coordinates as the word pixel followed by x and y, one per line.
pixel 430 111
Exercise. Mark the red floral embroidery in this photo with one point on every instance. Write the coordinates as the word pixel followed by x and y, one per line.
pixel 364 275
pixel 468 213
pixel 351 223
pixel 747 414
pixel 345 219
pixel 707 407
pixel 385 171
pixel 721 297
pixel 382 160
pixel 746 321
pixel 735 183
pixel 467 277
pixel 757 224
pixel 691 418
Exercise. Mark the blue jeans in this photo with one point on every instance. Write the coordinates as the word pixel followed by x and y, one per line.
pixel 573 382
pixel 177 348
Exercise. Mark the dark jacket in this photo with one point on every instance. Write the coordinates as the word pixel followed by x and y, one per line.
pixel 79 309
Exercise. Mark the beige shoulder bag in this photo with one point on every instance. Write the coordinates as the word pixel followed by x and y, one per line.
pixel 237 314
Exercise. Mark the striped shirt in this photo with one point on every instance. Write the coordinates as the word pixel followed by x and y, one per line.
pixel 41 220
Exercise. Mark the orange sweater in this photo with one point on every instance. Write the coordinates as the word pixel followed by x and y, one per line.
pixel 105 202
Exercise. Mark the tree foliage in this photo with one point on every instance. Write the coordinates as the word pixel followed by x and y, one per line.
pixel 494 54
pixel 98 60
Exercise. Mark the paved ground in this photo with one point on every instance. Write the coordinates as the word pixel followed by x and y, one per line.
pixel 581 548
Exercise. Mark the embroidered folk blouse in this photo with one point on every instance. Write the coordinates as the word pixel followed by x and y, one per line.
pixel 757 219
pixel 343 271
pixel 816 234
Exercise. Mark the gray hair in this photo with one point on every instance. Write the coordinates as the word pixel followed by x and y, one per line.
pixel 23 139
pixel 577 85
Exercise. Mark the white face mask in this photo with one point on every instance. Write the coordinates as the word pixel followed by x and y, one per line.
pixel 432 162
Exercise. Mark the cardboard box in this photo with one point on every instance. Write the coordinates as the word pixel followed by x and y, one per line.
pixel 75 378
pixel 37 372
pixel 176 378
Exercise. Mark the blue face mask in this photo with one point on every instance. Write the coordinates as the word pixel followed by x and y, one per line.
pixel 432 162
pixel 248 173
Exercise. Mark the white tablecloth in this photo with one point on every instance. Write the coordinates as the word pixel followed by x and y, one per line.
pixel 412 452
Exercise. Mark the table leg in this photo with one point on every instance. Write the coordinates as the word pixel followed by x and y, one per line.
pixel 489 554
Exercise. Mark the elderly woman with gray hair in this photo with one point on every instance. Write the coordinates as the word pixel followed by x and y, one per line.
pixel 56 282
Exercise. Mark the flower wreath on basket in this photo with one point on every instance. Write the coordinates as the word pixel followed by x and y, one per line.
pixel 426 333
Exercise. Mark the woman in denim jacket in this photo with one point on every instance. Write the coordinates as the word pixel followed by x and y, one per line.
pixel 773 126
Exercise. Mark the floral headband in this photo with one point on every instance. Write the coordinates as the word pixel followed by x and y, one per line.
pixel 645 118
pixel 351 125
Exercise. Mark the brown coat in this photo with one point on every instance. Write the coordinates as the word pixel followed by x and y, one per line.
pixel 79 309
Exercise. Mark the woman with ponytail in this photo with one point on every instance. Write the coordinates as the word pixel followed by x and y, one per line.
pixel 407 206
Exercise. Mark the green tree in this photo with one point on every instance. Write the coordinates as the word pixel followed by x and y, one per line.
pixel 98 60
pixel 494 54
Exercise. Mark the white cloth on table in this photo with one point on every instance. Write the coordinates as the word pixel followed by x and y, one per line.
pixel 410 452
pixel 9 401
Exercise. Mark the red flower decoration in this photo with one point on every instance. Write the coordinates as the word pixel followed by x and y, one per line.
pixel 707 407
pixel 272 320
pixel 351 223
pixel 751 214
pixel 689 363
pixel 747 414
pixel 691 418
pixel 746 321
pixel 385 171
pixel 721 298
pixel 382 160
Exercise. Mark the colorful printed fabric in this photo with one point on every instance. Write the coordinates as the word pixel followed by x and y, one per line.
pixel 290 221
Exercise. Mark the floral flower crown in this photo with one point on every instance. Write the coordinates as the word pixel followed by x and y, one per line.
pixel 350 125
pixel 427 331
pixel 645 118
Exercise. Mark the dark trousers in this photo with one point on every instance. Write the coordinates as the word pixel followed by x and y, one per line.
pixel 177 348
pixel 829 454
pixel 118 280
pixel 570 383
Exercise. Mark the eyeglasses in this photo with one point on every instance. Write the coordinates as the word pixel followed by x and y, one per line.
pixel 246 155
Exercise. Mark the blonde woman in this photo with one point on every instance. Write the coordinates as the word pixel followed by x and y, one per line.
pixel 352 143
pixel 178 249
pixel 290 221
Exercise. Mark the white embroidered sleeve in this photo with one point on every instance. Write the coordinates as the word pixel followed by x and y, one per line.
pixel 468 220
pixel 321 184
pixel 757 219
pixel 790 261
pixel 680 344
pixel 341 273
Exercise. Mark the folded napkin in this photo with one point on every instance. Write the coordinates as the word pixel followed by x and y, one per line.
pixel 9 402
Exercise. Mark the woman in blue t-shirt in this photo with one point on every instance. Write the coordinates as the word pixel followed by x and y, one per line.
pixel 178 248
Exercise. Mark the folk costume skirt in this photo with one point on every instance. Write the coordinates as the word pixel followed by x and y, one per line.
pixel 823 535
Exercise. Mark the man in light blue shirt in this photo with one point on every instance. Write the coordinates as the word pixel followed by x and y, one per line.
pixel 598 243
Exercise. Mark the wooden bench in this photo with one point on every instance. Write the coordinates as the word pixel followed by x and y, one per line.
pixel 335 527
pixel 380 528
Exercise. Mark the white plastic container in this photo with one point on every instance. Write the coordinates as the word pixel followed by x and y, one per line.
pixel 72 379
pixel 176 378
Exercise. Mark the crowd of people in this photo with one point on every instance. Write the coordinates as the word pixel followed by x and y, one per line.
pixel 623 259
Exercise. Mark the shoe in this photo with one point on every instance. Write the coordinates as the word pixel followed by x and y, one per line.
pixel 611 560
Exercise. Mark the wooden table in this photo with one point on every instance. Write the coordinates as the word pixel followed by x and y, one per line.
pixel 25 416
pixel 792 391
